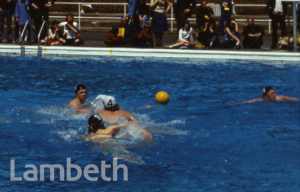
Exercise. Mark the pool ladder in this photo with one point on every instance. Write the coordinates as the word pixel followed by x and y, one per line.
pixel 39 50
pixel 21 39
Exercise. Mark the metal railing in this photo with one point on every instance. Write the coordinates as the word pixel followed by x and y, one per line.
pixel 216 9
pixel 39 51
pixel 21 39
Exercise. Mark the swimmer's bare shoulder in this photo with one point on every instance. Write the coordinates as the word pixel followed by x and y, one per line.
pixel 74 103
pixel 126 115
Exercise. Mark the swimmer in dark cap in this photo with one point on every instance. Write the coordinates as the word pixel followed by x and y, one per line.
pixel 112 113
pixel 80 96
pixel 268 94
pixel 97 130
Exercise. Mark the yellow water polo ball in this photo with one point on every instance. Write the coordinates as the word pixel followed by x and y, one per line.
pixel 162 97
pixel 298 41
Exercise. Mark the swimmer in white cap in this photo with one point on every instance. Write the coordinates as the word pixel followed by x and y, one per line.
pixel 112 113
pixel 80 96
pixel 97 130
pixel 268 94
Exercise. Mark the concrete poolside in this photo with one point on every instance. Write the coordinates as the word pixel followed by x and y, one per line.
pixel 94 46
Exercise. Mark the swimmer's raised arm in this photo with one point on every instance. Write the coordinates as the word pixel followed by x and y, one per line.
pixel 112 129
pixel 286 98
pixel 131 117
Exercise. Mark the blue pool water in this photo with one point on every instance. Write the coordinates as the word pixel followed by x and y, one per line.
pixel 202 142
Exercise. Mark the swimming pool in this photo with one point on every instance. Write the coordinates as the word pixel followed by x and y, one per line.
pixel 202 142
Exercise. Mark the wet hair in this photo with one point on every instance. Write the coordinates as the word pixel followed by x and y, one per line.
pixel 266 90
pixel 113 108
pixel 95 123
pixel 79 87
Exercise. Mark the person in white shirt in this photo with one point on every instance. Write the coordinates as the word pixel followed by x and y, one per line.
pixel 71 31
pixel 185 37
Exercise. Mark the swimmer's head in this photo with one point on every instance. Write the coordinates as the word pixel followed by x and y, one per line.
pixel 95 123
pixel 109 102
pixel 80 93
pixel 269 93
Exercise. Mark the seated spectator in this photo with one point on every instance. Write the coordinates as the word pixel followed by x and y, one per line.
pixel 145 37
pixel 123 30
pixel 203 13
pixel 113 38
pixel 71 30
pixel 232 36
pixel 185 37
pixel 207 35
pixel 55 35
pixel 252 35
pixel 85 7
pixel 22 16
pixel 144 13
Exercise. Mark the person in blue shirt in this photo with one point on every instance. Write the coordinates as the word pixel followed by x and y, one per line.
pixel 22 16
pixel 226 11
pixel 232 36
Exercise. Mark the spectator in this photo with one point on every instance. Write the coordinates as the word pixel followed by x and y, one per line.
pixel 226 11
pixel 204 13
pixel 39 10
pixel 232 36
pixel 71 31
pixel 253 35
pixel 55 35
pixel 185 37
pixel 85 7
pixel 144 13
pixel 207 35
pixel 133 19
pixel 145 37
pixel 277 10
pixel 124 31
pixel 113 39
pixel 159 20
pixel 22 16
pixel 183 10
pixel 132 9
pixel 7 8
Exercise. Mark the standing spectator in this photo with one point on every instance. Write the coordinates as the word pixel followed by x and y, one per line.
pixel 22 16
pixel 204 13
pixel 232 36
pixel 253 35
pixel 183 10
pixel 226 11
pixel 277 10
pixel 39 10
pixel 159 20
pixel 7 8
pixel 144 12
pixel 71 31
